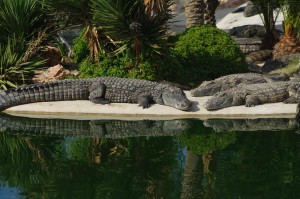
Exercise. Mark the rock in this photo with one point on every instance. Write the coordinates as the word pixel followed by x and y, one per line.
pixel 56 72
pixel 248 31
pixel 272 65
pixel 251 10
pixel 52 55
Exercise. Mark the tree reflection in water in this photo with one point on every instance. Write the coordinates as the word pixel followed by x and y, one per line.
pixel 240 164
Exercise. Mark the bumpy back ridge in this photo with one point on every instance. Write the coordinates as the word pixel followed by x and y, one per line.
pixel 45 92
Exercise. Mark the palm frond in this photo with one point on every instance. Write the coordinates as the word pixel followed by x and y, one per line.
pixel 13 71
pixel 131 23
pixel 76 12
pixel 24 19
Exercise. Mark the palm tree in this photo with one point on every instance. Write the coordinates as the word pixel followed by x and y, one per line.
pixel 194 12
pixel 290 41
pixel 266 8
pixel 199 12
pixel 157 6
pixel 210 9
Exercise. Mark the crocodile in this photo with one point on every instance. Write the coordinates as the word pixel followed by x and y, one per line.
pixel 113 129
pixel 257 56
pixel 208 88
pixel 257 124
pixel 101 90
pixel 252 95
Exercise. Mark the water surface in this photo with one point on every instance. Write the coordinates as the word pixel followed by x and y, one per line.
pixel 217 158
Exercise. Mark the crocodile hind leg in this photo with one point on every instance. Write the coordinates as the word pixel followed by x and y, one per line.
pixel 97 93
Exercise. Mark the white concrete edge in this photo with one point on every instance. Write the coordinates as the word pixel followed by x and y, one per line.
pixel 84 109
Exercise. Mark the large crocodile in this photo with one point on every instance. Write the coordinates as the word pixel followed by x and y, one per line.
pixel 101 90
pixel 90 128
pixel 253 94
pixel 208 88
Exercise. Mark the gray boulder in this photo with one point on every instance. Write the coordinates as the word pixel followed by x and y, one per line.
pixel 251 10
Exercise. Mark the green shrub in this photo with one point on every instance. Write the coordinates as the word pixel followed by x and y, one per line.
pixel 153 68
pixel 108 66
pixel 80 48
pixel 207 52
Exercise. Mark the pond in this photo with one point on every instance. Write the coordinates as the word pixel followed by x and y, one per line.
pixel 136 159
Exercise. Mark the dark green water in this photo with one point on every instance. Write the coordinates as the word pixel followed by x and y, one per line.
pixel 52 158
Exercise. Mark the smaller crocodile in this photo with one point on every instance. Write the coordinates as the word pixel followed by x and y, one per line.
pixel 261 55
pixel 208 88
pixel 257 124
pixel 252 95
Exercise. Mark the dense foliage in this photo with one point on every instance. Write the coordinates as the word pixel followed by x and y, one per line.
pixel 121 65
pixel 119 38
pixel 207 52
pixel 24 26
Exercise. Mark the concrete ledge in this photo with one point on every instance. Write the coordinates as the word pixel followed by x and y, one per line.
pixel 84 109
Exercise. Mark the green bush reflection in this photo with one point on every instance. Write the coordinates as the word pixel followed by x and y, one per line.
pixel 198 163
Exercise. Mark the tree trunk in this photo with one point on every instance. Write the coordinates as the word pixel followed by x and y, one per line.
pixel 192 177
pixel 154 7
pixel 209 13
pixel 194 12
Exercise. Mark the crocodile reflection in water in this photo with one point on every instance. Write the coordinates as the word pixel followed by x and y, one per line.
pixel 259 124
pixel 91 128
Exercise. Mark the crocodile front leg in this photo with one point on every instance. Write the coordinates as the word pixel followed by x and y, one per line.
pixel 293 91
pixel 251 101
pixel 97 93
pixel 145 101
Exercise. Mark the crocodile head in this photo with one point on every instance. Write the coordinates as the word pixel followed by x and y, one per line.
pixel 223 100
pixel 176 98
pixel 207 88
pixel 176 126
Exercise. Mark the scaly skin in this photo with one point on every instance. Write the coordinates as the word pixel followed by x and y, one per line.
pixel 100 90
pixel 90 128
pixel 208 88
pixel 259 124
pixel 252 95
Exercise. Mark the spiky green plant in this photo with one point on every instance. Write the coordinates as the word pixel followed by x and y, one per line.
pixel 291 14
pixel 290 42
pixel 23 19
pixel 13 70
pixel 77 12
pixel 131 25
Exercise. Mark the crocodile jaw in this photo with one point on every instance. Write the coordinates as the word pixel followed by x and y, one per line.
pixel 176 98
pixel 218 103
pixel 224 100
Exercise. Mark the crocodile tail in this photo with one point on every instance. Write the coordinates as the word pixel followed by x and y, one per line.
pixel 45 92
